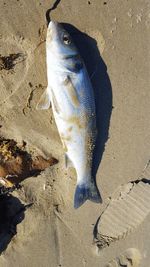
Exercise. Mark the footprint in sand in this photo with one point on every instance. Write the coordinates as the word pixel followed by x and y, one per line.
pixel 129 258
pixel 15 58
pixel 127 209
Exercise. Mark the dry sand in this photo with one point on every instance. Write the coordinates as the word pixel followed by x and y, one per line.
pixel 117 37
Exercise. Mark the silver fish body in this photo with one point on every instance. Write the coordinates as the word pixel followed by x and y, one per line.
pixel 71 95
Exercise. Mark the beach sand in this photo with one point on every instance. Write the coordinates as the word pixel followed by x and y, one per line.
pixel 113 38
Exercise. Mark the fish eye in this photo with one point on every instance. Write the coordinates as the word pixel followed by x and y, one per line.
pixel 66 39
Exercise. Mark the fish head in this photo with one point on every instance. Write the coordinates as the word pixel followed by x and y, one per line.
pixel 59 40
pixel 62 48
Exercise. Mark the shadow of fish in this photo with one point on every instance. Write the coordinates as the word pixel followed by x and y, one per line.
pixel 71 95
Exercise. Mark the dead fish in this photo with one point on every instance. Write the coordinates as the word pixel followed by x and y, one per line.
pixel 70 93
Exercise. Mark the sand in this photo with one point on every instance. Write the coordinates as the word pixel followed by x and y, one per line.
pixel 114 43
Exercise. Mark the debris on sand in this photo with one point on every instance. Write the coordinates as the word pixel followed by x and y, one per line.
pixel 8 62
pixel 16 164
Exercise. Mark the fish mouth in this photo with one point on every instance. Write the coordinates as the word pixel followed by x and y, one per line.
pixel 52 24
pixel 53 29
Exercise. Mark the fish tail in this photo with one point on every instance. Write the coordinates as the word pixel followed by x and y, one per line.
pixel 84 192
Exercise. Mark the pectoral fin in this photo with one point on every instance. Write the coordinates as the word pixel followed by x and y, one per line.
pixel 68 162
pixel 44 102
pixel 55 103
pixel 72 92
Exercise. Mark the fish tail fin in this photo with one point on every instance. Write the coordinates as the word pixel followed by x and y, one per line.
pixel 84 192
